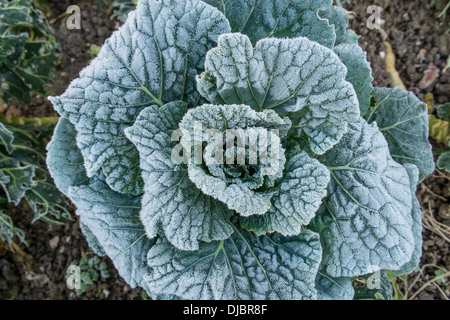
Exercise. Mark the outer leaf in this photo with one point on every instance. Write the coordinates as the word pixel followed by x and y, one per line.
pixel 443 111
pixel 403 120
pixel 15 179
pixel 291 76
pixel 64 159
pixel 171 203
pixel 365 223
pixel 6 138
pixel 299 196
pixel 337 16
pixel 329 288
pixel 242 267
pixel 381 288
pixel 278 18
pixel 92 240
pixel 359 72
pixel 443 161
pixel 152 59
pixel 114 221
pixel 409 267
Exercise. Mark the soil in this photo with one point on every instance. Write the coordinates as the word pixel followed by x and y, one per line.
pixel 418 39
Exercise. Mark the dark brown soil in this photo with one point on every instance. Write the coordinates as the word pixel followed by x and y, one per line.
pixel 418 39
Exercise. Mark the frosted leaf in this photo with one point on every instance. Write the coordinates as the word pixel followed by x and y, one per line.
pixel 171 202
pixel 278 18
pixel 92 240
pixel 239 192
pixel 113 220
pixel 359 72
pixel 337 16
pixel 329 288
pixel 366 220
pixel 294 77
pixel 64 159
pixel 152 59
pixel 298 197
pixel 403 120
pixel 241 267
pixel 7 138
pixel 417 223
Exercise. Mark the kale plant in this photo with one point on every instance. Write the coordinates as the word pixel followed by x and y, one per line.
pixel 139 150
pixel 27 50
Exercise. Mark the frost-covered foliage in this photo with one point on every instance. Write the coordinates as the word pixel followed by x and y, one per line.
pixel 140 151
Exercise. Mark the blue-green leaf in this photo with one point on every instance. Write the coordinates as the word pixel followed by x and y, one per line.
pixel 171 203
pixel 403 120
pixel 241 267
pixel 359 73
pixel 295 77
pixel 152 59
pixel 337 16
pixel 113 219
pixel 278 18
pixel 329 288
pixel 366 221
pixel 64 159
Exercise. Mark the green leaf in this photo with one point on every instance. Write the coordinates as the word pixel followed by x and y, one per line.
pixel 114 221
pixel 295 77
pixel 152 59
pixel 15 179
pixel 86 278
pixel 359 72
pixel 366 220
pixel 6 138
pixel 403 120
pixel 299 196
pixel 171 203
pixel 329 288
pixel 278 18
pixel 241 267
pixel 64 159
pixel 443 161
pixel 443 111
pixel 28 52
pixel 376 286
